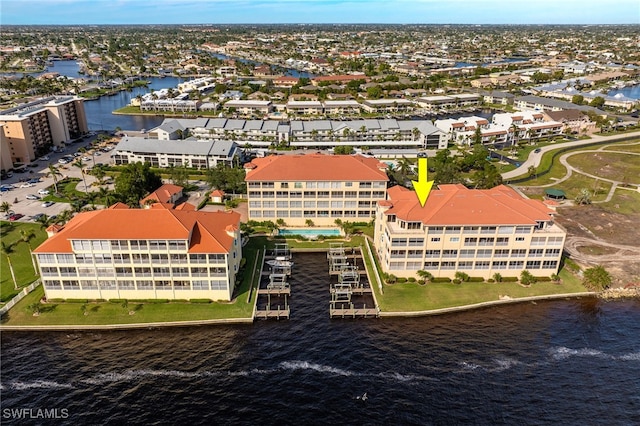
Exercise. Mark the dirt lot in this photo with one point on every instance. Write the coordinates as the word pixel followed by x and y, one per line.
pixel 597 236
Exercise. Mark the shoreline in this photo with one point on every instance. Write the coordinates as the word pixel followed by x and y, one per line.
pixel 382 314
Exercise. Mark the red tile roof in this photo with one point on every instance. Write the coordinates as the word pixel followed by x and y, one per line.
pixel 207 229
pixel 162 194
pixel 458 205
pixel 316 167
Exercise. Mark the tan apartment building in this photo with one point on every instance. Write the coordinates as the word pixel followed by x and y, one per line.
pixel 316 187
pixel 155 253
pixel 31 129
pixel 478 232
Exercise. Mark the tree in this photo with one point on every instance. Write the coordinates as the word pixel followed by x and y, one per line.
pixel 54 173
pixel 7 249
pixel 526 278
pixel 26 236
pixel 98 173
pixel 343 150
pixel 135 181
pixel 596 278
pixel 309 223
pixel 532 171
pixel 425 275
pixel 583 197
pixel 577 99
pixel 597 102
pixel 79 164
pixel 5 207
pixel 497 277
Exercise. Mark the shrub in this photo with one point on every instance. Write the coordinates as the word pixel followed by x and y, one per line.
pixel 422 282
pixel 156 301
pixel 391 279
pixel 77 301
pixel 200 300
pixel 491 280
pixel 542 279
pixel 509 280
pixel 526 278
pixel 441 280
pixel 462 276
pixel 411 280
pixel 498 277
pixel 402 280
pixel 117 300
pixel 457 281
pixel 475 280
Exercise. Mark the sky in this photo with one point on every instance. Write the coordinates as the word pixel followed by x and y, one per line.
pixel 67 12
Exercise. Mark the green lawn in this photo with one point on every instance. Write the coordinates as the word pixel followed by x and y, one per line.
pixel 615 166
pixel 20 258
pixel 101 313
pixel 407 297
pixel 625 147
pixel 624 202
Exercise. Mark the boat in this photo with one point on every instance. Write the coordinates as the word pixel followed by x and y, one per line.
pixel 280 262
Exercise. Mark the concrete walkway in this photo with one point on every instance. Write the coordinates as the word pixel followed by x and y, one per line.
pixel 536 157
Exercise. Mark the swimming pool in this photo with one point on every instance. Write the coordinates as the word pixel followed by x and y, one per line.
pixel 308 232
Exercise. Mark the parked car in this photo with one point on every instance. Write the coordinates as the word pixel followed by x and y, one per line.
pixel 43 192
pixel 32 197
pixel 15 216
pixel 63 161
pixel 34 180
pixel 537 150
pixel 45 158
pixel 47 203
pixel 37 216
pixel 86 158
pixel 27 185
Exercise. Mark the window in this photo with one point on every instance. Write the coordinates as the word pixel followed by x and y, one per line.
pixel 65 258
pixel 435 230
pixel 415 253
pixel 535 252
pixel 502 241
pixel 395 254
pixel 487 229
pixel 200 285
pixel 416 242
pixel 448 265
pixel 486 241
pixel 549 264
pixel 467 253
pixel 435 239
pixel 218 285
pixel 283 185
pixel 449 253
pixel 501 253
pixel 484 253
pixel 452 230
pixel 482 265
pixel 396 265
pixel 52 285
pixel 454 239
pixel 432 265
pixel 470 230
pixel 538 241
pixel 519 238
pixel 555 241
pixel 523 229
pixel 89 284
pixel 500 264
pixel 398 241
pixel 552 252
pixel 506 230
pixel 465 265
pixel 533 264
pixel 470 241
pixel 518 253
pixel 126 285
pixel 516 264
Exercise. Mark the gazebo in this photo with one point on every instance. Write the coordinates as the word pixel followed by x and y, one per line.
pixel 555 194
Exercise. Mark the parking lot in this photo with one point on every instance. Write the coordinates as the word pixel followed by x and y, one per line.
pixel 17 195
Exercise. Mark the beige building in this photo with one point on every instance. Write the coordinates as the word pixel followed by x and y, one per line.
pixel 155 253
pixel 478 232
pixel 30 130
pixel 316 187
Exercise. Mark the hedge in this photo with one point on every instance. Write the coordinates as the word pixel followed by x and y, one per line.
pixel 509 279
pixel 200 300
pixel 475 280
pixel 441 280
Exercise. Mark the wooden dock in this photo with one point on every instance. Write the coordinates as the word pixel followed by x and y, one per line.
pixel 273 313
pixel 277 291
pixel 354 312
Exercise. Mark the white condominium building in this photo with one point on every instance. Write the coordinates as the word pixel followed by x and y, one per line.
pixel 155 253
pixel 478 232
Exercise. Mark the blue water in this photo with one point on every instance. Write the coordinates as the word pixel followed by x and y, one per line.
pixel 309 232
pixel 567 362
pixel 632 92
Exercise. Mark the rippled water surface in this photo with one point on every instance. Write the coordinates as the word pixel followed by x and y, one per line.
pixel 563 362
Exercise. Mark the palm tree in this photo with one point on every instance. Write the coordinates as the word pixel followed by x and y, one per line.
pixel 79 164
pixel 106 195
pixel 54 173
pixel 25 237
pixel 7 249
pixel 5 207
pixel 44 221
